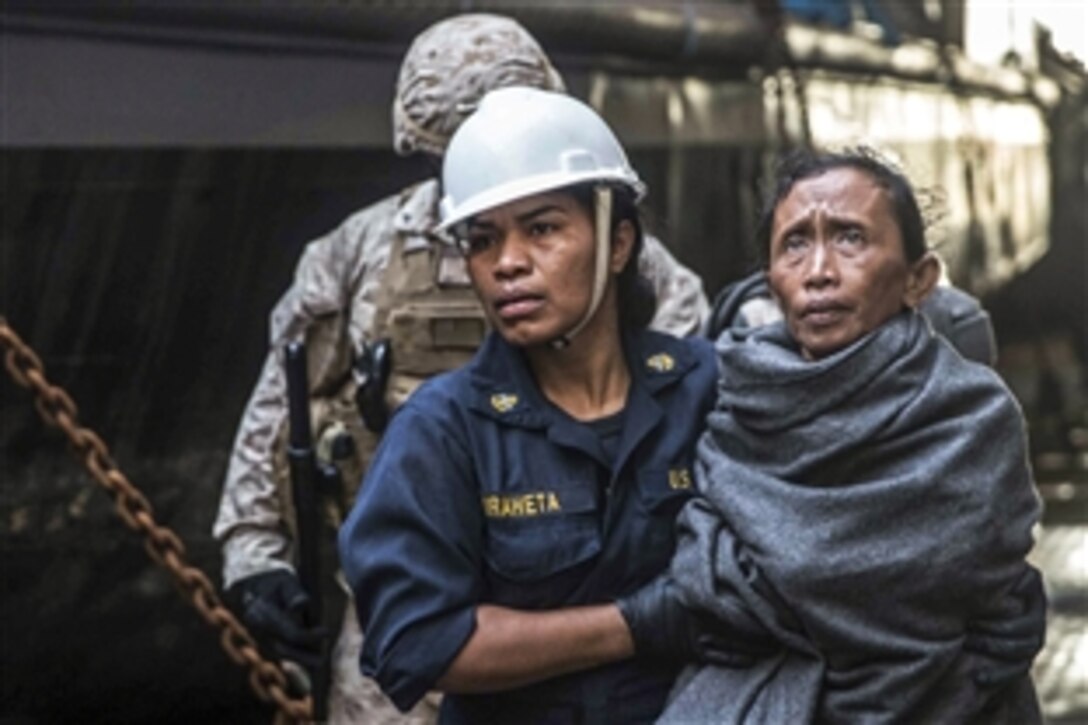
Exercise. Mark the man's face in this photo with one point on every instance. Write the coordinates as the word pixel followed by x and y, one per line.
pixel 837 262
pixel 531 263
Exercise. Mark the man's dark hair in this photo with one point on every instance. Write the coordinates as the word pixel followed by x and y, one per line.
pixel 636 297
pixel 806 163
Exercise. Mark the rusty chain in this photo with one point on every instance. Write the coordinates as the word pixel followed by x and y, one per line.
pixel 164 546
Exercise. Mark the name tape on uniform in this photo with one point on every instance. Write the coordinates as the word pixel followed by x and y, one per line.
pixel 538 503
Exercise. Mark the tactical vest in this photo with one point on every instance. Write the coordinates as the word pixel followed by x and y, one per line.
pixel 426 307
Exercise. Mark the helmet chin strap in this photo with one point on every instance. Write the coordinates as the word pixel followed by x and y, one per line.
pixel 602 197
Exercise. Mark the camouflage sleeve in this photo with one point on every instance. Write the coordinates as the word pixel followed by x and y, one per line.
pixel 682 307
pixel 252 519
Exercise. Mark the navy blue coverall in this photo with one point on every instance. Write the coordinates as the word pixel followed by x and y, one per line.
pixel 484 492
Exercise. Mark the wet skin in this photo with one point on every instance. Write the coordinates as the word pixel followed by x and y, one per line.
pixel 531 263
pixel 837 263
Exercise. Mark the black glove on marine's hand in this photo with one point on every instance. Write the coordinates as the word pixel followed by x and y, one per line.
pixel 1012 642
pixel 273 605
pixel 662 626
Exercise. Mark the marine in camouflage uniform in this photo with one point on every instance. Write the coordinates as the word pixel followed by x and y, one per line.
pixel 383 274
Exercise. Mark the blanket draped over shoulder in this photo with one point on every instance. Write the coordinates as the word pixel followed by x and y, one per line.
pixel 864 508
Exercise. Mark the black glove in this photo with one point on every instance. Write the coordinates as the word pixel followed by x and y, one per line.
pixel 663 626
pixel 1011 642
pixel 273 605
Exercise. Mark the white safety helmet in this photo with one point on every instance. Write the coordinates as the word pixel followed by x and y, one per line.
pixel 525 141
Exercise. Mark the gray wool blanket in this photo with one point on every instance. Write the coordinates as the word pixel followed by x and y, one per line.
pixel 862 509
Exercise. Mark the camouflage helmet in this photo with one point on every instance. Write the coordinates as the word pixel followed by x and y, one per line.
pixel 451 65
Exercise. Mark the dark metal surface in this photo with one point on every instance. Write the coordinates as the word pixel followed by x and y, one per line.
pixel 703 33
pixel 679 37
